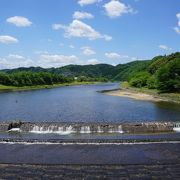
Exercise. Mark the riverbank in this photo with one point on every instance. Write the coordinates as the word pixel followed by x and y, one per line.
pixel 28 88
pixel 144 94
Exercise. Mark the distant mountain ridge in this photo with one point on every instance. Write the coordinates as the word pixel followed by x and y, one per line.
pixel 119 72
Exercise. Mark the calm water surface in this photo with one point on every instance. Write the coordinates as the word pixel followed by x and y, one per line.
pixel 82 104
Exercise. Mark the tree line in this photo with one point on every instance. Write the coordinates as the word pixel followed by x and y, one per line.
pixel 28 78
pixel 32 79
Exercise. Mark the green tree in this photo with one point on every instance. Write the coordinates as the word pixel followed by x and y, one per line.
pixel 168 77
pixel 152 82
pixel 140 79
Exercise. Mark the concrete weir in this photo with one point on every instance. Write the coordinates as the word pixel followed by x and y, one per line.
pixel 89 128
pixel 116 156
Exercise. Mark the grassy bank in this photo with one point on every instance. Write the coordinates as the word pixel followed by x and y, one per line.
pixel 28 88
pixel 171 97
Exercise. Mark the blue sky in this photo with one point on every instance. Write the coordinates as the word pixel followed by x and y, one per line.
pixel 54 33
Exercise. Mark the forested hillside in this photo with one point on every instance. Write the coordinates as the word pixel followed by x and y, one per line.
pixel 127 71
pixel 106 72
pixel 162 73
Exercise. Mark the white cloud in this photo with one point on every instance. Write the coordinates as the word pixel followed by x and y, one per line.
pixel 15 56
pixel 115 8
pixel 72 46
pixel 45 60
pixel 82 15
pixel 57 60
pixel 8 39
pixel 15 61
pixel 178 16
pixel 87 2
pixel 88 51
pixel 4 64
pixel 93 61
pixel 40 52
pixel 177 30
pixel 107 38
pixel 81 30
pixel 134 58
pixel 164 47
pixel 113 55
pixel 58 26
pixel 19 21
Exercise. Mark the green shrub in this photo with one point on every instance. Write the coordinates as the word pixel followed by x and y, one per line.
pixel 152 82
pixel 140 79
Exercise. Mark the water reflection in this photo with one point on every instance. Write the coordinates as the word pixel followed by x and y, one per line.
pixel 82 104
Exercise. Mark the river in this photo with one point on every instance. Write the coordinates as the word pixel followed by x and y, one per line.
pixel 82 103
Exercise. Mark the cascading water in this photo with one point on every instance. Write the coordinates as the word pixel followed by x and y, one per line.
pixel 52 129
pixel 79 129
pixel 99 130
pixel 85 130
pixel 117 129
pixel 176 127
pixel 82 128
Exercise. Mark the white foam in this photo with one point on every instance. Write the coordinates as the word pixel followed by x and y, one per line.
pixel 100 130
pixel 65 130
pixel 85 130
pixel 90 143
pixel 177 129
pixel 118 130
pixel 52 130
pixel 15 130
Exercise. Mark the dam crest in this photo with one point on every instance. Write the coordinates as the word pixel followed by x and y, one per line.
pixel 89 128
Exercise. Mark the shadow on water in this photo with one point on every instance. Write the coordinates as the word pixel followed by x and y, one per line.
pixel 168 105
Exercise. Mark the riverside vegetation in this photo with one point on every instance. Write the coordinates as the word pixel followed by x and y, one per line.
pixel 161 74
pixel 25 80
